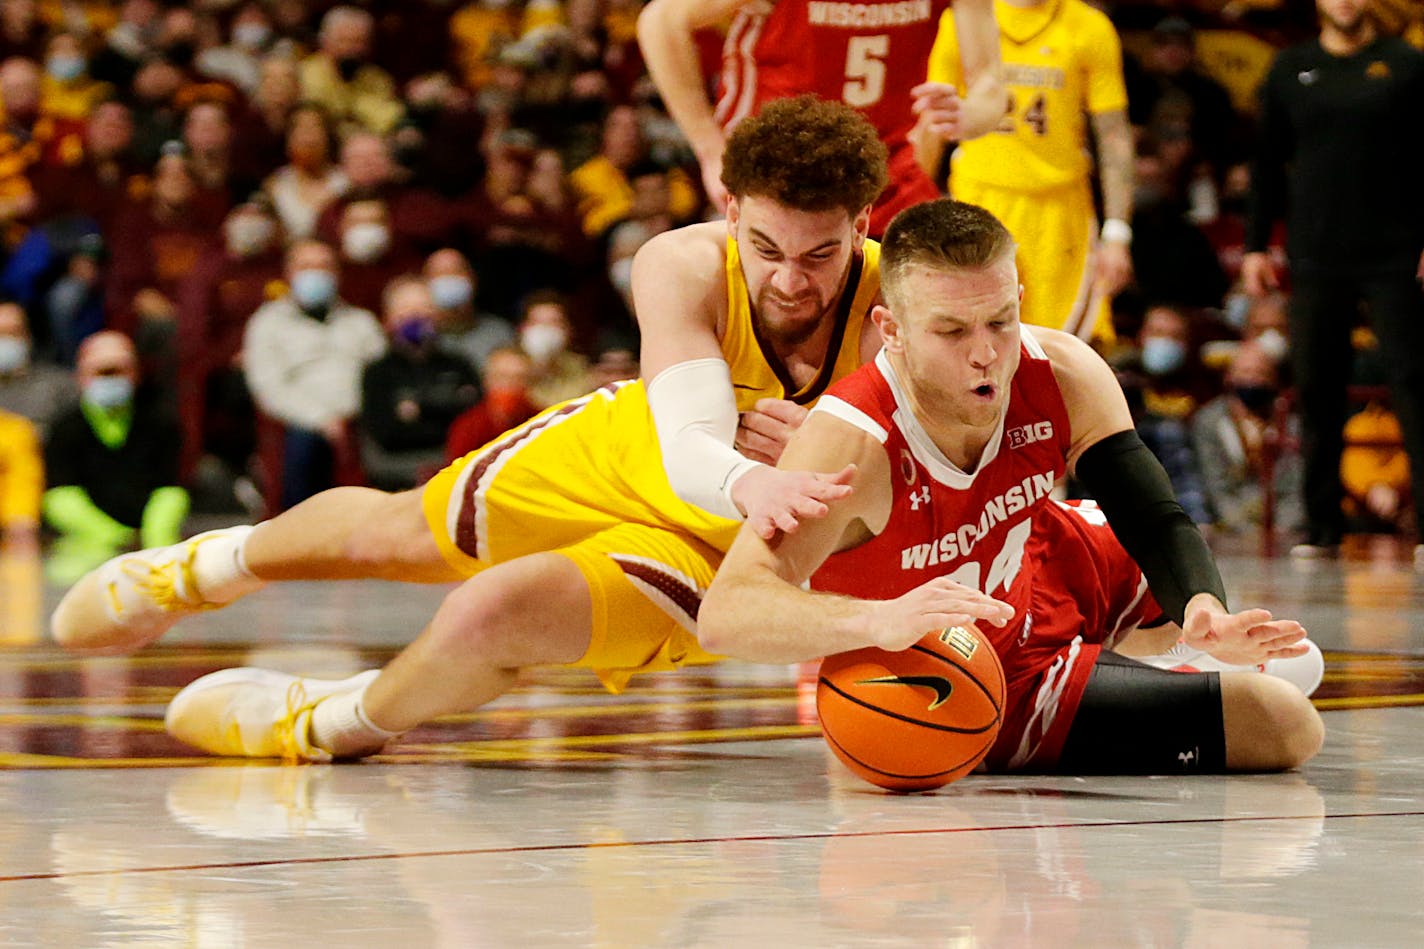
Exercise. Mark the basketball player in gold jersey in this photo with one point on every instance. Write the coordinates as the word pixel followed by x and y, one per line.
pixel 586 535
pixel 1062 58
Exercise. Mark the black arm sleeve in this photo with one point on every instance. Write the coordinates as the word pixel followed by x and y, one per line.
pixel 1132 488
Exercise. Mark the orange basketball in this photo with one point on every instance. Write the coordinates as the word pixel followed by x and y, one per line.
pixel 917 719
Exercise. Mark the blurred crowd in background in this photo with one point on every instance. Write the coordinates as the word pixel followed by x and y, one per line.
pixel 249 250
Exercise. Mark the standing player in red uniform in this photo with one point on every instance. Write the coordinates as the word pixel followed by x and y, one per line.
pixel 958 430
pixel 871 55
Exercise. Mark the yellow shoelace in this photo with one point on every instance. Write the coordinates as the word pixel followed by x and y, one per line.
pixel 159 582
pixel 286 729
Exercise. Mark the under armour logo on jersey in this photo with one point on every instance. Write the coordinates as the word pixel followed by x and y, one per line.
pixel 1188 757
pixel 919 497
pixel 1028 434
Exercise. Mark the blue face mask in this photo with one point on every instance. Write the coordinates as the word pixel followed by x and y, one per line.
pixel 1162 355
pixel 451 291
pixel 109 392
pixel 65 68
pixel 313 289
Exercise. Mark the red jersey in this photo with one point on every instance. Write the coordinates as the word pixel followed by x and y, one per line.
pixel 973 528
pixel 866 54
pixel 1072 586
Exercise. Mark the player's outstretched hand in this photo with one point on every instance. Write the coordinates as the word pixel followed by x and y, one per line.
pixel 935 604
pixel 938 106
pixel 763 431
pixel 776 500
pixel 1247 638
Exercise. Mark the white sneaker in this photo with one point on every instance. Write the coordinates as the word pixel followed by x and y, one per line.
pixel 1303 672
pixel 134 598
pixel 1315 551
pixel 255 713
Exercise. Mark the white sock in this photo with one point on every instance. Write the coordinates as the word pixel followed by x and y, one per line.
pixel 219 567
pixel 339 726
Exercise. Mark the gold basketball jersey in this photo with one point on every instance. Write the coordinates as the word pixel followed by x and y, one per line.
pixel 1061 58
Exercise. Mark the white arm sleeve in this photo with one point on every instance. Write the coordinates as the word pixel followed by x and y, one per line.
pixel 695 414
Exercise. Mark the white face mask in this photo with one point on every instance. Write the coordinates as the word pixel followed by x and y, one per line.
pixel 1274 344
pixel 14 353
pixel 542 341
pixel 364 243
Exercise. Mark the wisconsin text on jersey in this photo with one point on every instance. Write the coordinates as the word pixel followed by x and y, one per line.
pixel 858 15
pixel 960 541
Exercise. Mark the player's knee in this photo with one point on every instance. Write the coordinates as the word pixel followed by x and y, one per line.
pixel 1280 728
pixel 526 612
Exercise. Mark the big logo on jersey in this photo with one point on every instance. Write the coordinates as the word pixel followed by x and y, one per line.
pixel 1028 434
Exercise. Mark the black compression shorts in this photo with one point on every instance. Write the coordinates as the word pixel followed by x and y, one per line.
pixel 1137 719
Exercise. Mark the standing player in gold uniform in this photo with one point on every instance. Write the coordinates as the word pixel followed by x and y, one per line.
pixel 587 535
pixel 1062 59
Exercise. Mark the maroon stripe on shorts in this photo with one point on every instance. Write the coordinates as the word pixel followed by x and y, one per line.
pixel 465 536
pixel 685 597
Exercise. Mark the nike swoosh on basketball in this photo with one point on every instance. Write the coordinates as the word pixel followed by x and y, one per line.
pixel 942 686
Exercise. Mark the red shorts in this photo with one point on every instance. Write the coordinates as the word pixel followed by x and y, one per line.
pixel 1086 593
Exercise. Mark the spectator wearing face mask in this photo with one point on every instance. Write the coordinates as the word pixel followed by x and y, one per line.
pixel 506 403
pixel 340 77
pixel 545 336
pixel 229 284
pixel 419 220
pixel 464 330
pixel 112 461
pixel 412 394
pixel 239 61
pixel 371 256
pixel 1230 435
pixel 34 390
pixel 68 93
pixel 303 355
pixel 1165 384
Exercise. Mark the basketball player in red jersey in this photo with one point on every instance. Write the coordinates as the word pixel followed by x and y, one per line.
pixel 959 430
pixel 871 55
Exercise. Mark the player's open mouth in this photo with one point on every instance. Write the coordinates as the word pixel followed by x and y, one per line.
pixel 985 391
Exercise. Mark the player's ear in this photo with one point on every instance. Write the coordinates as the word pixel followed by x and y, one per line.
pixel 734 214
pixel 862 227
pixel 889 328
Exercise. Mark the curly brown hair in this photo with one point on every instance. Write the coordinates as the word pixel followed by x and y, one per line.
pixel 943 234
pixel 807 153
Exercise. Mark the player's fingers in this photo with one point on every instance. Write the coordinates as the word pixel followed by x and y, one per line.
pixel 1248 619
pixel 930 88
pixel 783 410
pixel 809 507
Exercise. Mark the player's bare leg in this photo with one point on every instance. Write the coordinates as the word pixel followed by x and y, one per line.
pixel 1270 725
pixel 529 611
pixel 343 533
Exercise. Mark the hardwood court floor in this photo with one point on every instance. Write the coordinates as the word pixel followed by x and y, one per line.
pixel 696 809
